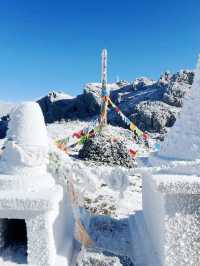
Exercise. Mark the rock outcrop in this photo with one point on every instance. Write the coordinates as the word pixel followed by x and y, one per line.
pixel 154 116
pixel 175 93
pixel 179 85
pixel 3 126
pixel 56 108
pixel 106 150
pixel 152 104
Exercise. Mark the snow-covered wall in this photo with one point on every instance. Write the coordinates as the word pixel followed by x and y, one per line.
pixel 172 215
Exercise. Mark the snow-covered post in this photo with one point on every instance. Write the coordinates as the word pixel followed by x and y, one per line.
pixel 171 192
pixel 105 93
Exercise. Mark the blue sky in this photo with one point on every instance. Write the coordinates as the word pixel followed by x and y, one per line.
pixel 57 44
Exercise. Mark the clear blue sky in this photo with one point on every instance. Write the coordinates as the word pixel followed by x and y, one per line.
pixel 48 44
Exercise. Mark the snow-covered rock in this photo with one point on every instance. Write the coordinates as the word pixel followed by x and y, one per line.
pixel 3 126
pixel 97 258
pixel 175 93
pixel 154 116
pixel 106 150
pixel 169 89
pixel 62 107
pixel 5 109
pixel 122 83
pixel 140 83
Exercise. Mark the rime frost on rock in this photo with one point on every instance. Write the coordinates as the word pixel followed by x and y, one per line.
pixel 154 116
pixel 102 148
pixel 97 258
pixel 169 91
pixel 142 82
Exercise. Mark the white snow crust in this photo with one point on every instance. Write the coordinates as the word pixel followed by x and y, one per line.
pixel 171 189
pixel 183 140
pixel 5 108
pixel 27 125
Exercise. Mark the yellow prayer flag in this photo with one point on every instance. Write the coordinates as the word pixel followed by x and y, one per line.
pixel 139 132
pixel 132 126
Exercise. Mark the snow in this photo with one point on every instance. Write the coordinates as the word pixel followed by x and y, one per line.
pixel 171 189
pixel 57 96
pixel 5 108
pixel 23 130
pixel 171 211
pixel 26 150
pixel 143 80
pixel 109 200
pixel 95 86
pixel 102 190
pixel 29 192
pixel 183 141
pixel 153 209
pixel 183 184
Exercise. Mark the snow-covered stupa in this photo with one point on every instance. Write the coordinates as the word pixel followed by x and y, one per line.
pixel 31 203
pixel 171 189
pixel 182 144
pixel 26 150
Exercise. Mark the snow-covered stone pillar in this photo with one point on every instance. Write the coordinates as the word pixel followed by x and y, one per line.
pixel 171 191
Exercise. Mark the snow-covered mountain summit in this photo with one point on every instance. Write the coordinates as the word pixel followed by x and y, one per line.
pixel 151 104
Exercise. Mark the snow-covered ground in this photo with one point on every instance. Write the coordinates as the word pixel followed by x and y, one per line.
pixel 120 198
pixel 109 203
pixel 111 196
